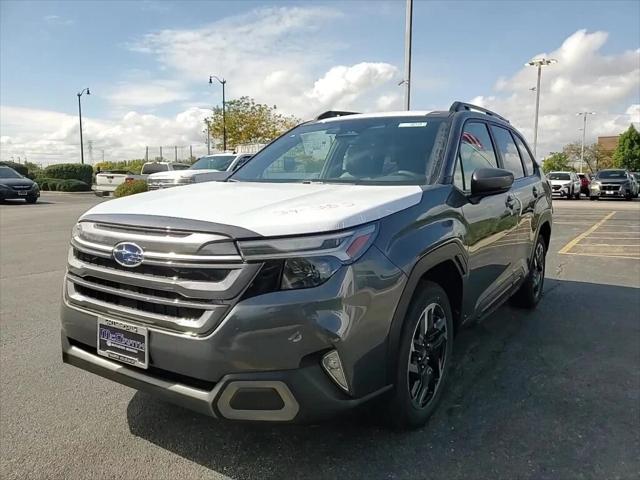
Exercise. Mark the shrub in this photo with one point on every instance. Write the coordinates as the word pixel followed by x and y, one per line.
pixel 21 169
pixel 70 171
pixel 130 188
pixel 62 185
pixel 134 166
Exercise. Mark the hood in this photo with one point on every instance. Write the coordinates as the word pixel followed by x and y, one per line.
pixel 270 209
pixel 614 181
pixel 173 174
pixel 16 182
pixel 559 182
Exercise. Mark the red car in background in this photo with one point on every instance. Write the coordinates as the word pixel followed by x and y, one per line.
pixel 584 183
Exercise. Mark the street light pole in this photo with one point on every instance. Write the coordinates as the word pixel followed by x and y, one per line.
pixel 223 82
pixel 408 30
pixel 538 62
pixel 584 132
pixel 80 117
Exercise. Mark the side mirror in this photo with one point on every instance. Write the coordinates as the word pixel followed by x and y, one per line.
pixel 490 181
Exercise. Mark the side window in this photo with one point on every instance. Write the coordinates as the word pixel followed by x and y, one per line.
pixel 527 159
pixel 509 151
pixel 476 151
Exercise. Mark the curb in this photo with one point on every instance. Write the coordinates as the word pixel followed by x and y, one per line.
pixel 48 192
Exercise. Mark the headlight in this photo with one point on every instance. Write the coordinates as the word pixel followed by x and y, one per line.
pixel 595 185
pixel 308 272
pixel 4 187
pixel 185 180
pixel 310 261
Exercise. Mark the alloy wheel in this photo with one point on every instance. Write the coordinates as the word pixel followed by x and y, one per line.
pixel 427 356
pixel 538 269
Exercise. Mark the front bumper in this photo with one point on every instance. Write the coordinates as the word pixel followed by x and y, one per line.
pixel 11 194
pixel 598 192
pixel 302 395
pixel 272 343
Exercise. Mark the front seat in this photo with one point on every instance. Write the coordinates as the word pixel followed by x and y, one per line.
pixel 362 160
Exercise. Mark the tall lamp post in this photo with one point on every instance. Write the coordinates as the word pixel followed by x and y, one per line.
pixel 86 90
pixel 538 62
pixel 408 30
pixel 223 82
pixel 584 131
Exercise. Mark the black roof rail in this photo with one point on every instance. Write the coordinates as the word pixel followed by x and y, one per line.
pixel 459 106
pixel 334 113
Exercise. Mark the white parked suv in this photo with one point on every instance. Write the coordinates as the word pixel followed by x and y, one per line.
pixel 565 184
pixel 108 180
pixel 202 171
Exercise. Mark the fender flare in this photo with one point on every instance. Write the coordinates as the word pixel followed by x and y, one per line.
pixel 451 250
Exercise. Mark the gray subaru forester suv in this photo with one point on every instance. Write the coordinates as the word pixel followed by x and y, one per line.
pixel 332 269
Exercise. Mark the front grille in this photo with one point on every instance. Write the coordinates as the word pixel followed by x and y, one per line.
pixel 21 187
pixel 557 187
pixel 141 305
pixel 199 275
pixel 610 188
pixel 176 287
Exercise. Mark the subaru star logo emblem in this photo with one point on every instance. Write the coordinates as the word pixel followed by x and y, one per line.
pixel 128 254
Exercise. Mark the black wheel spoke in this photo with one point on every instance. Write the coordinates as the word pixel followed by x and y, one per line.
pixel 427 355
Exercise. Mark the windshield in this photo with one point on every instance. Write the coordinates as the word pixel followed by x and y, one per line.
pixel 613 174
pixel 559 176
pixel 149 168
pixel 6 172
pixel 219 162
pixel 383 150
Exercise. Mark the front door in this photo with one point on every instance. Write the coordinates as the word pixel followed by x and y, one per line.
pixel 492 223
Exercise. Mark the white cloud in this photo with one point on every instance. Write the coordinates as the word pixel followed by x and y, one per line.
pixel 275 55
pixel 58 20
pixel 147 94
pixel 50 137
pixel 584 79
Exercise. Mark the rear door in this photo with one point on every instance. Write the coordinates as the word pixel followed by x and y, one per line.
pixel 490 223
pixel 533 194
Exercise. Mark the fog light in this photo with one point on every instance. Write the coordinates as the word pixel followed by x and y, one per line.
pixel 333 366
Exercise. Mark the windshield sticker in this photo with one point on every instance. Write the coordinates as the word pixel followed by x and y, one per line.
pixel 412 124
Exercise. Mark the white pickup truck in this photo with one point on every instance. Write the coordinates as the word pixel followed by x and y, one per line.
pixel 204 170
pixel 108 181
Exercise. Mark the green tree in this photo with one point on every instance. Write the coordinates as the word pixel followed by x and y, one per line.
pixel 594 157
pixel 248 122
pixel 627 153
pixel 557 161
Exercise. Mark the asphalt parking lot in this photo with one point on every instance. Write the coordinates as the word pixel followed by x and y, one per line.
pixel 553 393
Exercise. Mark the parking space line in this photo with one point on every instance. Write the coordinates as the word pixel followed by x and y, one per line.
pixel 583 235
pixel 601 255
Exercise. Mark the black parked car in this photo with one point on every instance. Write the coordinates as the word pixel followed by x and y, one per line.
pixel 14 185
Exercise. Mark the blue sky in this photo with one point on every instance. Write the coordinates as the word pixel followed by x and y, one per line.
pixel 286 53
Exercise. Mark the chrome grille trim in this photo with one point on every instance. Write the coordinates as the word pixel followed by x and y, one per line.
pixel 175 288
pixel 224 290
pixel 196 326
pixel 138 296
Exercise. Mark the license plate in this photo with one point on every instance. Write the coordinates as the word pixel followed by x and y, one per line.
pixel 610 192
pixel 22 194
pixel 123 342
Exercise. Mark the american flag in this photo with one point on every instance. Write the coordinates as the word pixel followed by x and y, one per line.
pixel 472 140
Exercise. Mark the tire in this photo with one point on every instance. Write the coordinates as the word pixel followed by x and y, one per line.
pixel 422 370
pixel 31 199
pixel 531 291
pixel 577 196
pixel 593 198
